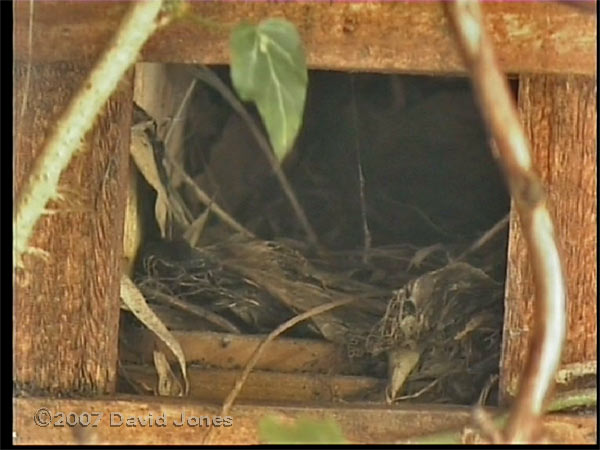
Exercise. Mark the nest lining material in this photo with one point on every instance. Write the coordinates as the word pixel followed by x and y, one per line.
pixel 449 312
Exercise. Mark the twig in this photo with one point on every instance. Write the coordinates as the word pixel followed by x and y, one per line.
pixel 40 186
pixel 270 337
pixel 361 178
pixel 572 399
pixel 215 82
pixel 423 215
pixel 420 392
pixel 500 113
pixel 177 117
pixel 487 236
pixel 254 358
pixel 206 200
pixel 485 392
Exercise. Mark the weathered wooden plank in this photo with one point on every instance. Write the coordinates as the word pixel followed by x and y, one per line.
pixel 229 351
pixel 367 424
pixel 530 37
pixel 213 385
pixel 66 306
pixel 559 114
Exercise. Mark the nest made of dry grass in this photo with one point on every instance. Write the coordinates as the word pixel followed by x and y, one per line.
pixel 452 311
pixel 438 292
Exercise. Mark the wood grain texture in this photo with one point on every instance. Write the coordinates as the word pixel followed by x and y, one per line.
pixel 66 307
pixel 266 386
pixel 366 424
pixel 530 37
pixel 559 115
pixel 230 351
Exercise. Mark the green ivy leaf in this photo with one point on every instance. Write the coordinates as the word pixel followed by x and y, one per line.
pixel 268 67
pixel 302 431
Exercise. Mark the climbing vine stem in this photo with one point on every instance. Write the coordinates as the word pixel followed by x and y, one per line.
pixel 41 184
pixel 512 150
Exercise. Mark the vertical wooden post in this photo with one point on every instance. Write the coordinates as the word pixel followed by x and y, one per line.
pixel 559 115
pixel 66 306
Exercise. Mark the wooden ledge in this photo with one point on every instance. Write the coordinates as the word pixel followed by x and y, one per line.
pixel 530 37
pixel 360 423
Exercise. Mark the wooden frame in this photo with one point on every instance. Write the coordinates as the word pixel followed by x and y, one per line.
pixel 66 307
pixel 365 424
pixel 530 37
pixel 559 114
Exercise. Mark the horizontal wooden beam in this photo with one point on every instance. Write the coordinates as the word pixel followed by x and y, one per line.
pixel 229 351
pixel 214 385
pixel 359 423
pixel 530 37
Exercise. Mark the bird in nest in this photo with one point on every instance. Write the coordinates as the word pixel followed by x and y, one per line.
pixel 441 330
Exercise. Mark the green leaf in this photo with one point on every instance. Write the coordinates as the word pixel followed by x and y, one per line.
pixel 268 67
pixel 302 431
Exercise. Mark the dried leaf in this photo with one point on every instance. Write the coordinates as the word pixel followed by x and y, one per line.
pixel 136 303
pixel 168 384
pixel 422 254
pixel 143 156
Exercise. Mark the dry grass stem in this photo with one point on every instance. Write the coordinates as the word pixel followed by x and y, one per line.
pixel 207 201
pixel 227 404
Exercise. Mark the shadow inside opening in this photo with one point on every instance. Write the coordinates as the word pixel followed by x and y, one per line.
pixel 396 177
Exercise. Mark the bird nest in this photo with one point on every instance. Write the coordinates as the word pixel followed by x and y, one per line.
pixel 429 311
pixel 401 302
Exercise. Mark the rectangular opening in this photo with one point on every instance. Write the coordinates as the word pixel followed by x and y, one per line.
pixel 395 176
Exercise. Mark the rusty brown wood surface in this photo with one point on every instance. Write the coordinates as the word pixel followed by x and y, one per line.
pixel 559 115
pixel 530 37
pixel 359 423
pixel 213 385
pixel 230 351
pixel 66 306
